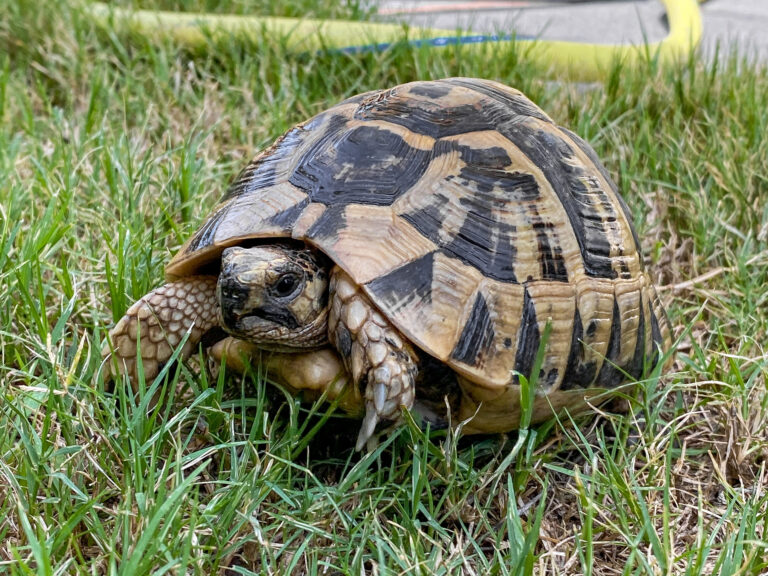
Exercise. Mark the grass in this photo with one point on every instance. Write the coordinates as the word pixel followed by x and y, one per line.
pixel 111 151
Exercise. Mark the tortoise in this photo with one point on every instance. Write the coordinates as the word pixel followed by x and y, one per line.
pixel 432 237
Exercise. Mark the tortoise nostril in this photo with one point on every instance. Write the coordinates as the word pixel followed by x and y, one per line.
pixel 231 293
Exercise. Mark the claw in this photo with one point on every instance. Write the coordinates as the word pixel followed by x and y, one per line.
pixel 367 428
pixel 379 396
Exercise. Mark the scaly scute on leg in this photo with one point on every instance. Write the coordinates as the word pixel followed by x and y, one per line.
pixel 374 352
pixel 160 320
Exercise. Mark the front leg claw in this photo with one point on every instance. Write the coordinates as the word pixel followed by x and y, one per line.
pixel 390 388
pixel 376 355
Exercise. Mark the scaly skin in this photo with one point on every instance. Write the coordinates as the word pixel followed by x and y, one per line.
pixel 373 351
pixel 161 319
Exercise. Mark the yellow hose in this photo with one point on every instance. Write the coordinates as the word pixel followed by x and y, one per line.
pixel 577 61
pixel 591 61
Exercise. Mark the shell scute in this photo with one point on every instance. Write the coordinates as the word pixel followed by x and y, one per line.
pixel 365 164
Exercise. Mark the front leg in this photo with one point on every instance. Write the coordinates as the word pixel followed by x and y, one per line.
pixel 161 319
pixel 374 353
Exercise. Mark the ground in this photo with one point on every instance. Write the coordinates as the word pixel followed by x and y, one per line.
pixel 113 147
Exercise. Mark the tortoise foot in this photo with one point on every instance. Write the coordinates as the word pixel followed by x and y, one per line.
pixel 390 388
pixel 374 352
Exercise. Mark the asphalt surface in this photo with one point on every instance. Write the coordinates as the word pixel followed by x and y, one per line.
pixel 741 24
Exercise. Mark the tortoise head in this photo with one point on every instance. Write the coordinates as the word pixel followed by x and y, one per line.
pixel 275 296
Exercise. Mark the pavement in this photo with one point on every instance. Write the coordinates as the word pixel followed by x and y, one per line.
pixel 740 24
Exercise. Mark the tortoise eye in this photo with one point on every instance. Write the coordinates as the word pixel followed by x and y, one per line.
pixel 286 285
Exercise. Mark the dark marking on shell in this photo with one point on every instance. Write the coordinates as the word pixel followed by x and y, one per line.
pixel 590 153
pixel 486 245
pixel 375 100
pixel 262 171
pixel 477 336
pixel 365 165
pixel 405 285
pixel 431 89
pixel 485 239
pixel 489 162
pixel 635 366
pixel 578 374
pixel 528 338
pixel 550 253
pixel 287 218
pixel 521 189
pixel 207 232
pixel 486 170
pixel 624 271
pixel 328 224
pixel 437 120
pixel 554 157
pixel 428 220
pixel 610 375
pixel 426 118
pixel 517 105
pixel 549 380
pixel 550 256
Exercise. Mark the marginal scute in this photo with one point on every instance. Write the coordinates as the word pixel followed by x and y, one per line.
pixel 610 372
pixel 529 338
pixel 275 208
pixel 478 335
pixel 629 295
pixel 594 299
pixel 554 304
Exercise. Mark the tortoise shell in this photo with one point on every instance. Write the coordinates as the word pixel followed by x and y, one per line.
pixel 470 219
